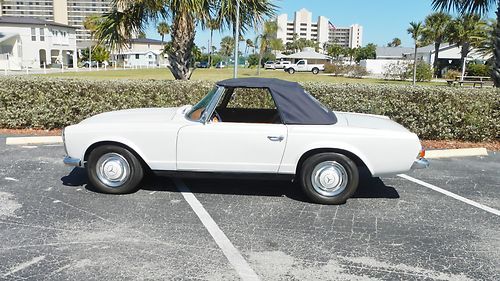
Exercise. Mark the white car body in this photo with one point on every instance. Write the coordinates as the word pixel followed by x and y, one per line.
pixel 269 65
pixel 282 64
pixel 304 66
pixel 167 141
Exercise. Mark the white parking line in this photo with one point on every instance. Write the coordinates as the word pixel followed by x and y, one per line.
pixel 451 194
pixel 232 254
pixel 23 265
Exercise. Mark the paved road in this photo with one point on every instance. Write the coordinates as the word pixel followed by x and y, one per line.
pixel 53 228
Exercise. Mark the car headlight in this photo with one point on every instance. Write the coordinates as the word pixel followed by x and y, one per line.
pixel 64 140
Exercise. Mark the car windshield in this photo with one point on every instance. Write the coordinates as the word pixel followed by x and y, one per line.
pixel 198 109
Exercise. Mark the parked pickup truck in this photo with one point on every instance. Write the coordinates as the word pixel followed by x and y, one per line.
pixel 303 66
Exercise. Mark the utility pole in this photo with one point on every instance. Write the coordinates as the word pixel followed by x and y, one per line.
pixel 90 56
pixel 236 39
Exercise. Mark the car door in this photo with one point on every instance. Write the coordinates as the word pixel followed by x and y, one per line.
pixel 301 66
pixel 231 147
pixel 250 139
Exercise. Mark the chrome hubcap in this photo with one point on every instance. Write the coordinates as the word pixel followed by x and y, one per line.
pixel 113 169
pixel 329 178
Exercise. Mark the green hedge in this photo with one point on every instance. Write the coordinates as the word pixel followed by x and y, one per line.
pixel 431 112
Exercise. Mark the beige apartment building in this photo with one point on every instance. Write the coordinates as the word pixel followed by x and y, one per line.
pixel 322 30
pixel 69 12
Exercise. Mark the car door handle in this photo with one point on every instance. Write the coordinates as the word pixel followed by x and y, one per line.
pixel 276 138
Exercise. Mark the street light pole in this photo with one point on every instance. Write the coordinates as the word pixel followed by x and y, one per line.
pixel 236 39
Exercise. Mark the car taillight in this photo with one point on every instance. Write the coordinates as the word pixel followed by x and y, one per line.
pixel 64 141
pixel 421 154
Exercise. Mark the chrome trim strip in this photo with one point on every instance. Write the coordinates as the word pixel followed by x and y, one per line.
pixel 73 162
pixel 421 163
pixel 205 117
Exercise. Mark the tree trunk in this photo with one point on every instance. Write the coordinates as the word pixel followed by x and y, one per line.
pixel 180 56
pixel 210 48
pixel 260 60
pixel 464 52
pixel 437 45
pixel 496 68
pixel 415 65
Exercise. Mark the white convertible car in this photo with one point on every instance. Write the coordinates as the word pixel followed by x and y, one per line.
pixel 243 127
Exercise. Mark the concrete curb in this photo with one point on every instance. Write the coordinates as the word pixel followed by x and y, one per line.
pixel 33 140
pixel 461 152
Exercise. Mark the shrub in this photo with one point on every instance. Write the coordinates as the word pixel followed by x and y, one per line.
pixel 424 71
pixel 335 68
pixel 452 74
pixel 397 70
pixel 357 71
pixel 478 70
pixel 431 112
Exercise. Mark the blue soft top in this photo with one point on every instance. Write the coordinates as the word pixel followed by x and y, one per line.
pixel 295 105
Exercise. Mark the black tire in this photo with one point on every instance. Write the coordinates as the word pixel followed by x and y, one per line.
pixel 315 70
pixel 129 184
pixel 351 178
pixel 291 71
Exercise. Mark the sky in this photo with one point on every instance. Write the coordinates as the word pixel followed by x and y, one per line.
pixel 382 20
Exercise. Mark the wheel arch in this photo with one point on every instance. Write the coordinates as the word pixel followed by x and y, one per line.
pixel 116 143
pixel 353 156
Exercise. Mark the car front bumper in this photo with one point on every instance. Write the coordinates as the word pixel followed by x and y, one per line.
pixel 421 163
pixel 73 162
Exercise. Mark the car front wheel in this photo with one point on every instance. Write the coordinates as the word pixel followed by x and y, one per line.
pixel 291 71
pixel 329 178
pixel 114 169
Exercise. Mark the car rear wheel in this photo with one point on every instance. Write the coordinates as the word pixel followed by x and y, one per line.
pixel 114 169
pixel 315 70
pixel 329 178
pixel 291 71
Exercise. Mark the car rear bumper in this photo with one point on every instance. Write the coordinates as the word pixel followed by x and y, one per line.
pixel 73 162
pixel 421 163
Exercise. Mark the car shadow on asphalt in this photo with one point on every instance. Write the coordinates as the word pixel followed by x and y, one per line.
pixel 369 187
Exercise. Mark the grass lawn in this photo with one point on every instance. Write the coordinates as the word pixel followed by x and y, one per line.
pixel 220 74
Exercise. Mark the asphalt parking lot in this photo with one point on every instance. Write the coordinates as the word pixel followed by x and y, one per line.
pixel 52 227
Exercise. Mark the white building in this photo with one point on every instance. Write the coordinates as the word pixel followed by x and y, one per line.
pixel 141 52
pixel 32 43
pixel 349 37
pixel 70 12
pixel 303 26
pixel 322 30
pixel 449 57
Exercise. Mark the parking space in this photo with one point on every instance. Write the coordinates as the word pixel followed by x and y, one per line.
pixel 53 227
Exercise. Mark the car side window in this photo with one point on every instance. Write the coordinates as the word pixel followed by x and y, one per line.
pixel 249 105
pixel 251 98
pixel 301 62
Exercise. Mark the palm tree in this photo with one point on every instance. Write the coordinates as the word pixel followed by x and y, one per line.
pixel 276 44
pixel 394 43
pixel 467 31
pixel 268 32
pixel 163 29
pixel 416 29
pixel 248 44
pixel 128 17
pixel 480 7
pixel 251 13
pixel 227 46
pixel 436 26
pixel 212 24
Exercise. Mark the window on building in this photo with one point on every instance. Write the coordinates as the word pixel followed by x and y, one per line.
pixel 136 56
pixel 42 34
pixel 33 34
